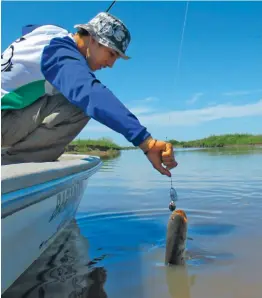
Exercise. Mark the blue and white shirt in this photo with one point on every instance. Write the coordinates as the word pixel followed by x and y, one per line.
pixel 49 55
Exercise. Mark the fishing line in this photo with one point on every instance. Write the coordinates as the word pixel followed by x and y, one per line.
pixel 181 43
pixel 173 193
pixel 180 48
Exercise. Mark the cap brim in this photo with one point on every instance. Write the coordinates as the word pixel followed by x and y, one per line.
pixel 89 29
pixel 124 56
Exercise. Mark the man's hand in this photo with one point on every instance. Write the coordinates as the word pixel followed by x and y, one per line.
pixel 158 153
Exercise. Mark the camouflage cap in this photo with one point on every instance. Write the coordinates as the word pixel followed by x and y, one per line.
pixel 109 31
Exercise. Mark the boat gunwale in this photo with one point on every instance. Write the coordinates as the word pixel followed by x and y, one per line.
pixel 20 199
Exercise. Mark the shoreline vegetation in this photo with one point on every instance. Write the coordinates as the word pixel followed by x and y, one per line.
pixel 105 148
pixel 220 141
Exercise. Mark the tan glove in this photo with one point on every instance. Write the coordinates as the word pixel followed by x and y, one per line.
pixel 158 153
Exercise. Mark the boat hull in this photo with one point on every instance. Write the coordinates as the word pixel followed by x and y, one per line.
pixel 33 217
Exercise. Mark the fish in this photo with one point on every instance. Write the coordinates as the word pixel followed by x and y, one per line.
pixel 176 238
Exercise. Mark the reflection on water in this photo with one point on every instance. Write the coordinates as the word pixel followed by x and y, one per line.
pixel 63 270
pixel 116 248
pixel 178 282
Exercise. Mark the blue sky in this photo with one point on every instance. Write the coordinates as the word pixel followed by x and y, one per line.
pixel 218 88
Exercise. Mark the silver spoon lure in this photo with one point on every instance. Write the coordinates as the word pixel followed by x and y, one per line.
pixel 173 197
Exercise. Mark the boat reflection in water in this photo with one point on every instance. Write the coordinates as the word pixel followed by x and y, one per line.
pixel 63 270
pixel 66 270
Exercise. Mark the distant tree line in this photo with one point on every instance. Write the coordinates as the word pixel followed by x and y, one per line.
pixel 221 141
pixel 106 144
pixel 102 144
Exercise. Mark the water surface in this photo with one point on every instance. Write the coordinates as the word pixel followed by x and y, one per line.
pixel 116 246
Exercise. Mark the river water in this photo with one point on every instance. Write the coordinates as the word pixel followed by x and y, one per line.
pixel 116 246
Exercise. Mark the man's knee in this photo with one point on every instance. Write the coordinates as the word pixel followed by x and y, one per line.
pixel 56 124
pixel 66 119
pixel 63 112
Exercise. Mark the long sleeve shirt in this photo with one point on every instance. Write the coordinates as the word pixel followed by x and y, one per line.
pixel 49 53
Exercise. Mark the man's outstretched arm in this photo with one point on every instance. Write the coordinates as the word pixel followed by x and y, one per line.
pixel 66 69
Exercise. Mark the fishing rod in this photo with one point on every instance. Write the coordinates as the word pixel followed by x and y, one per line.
pixel 110 6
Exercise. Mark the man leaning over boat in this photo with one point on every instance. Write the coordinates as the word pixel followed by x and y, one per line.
pixel 49 92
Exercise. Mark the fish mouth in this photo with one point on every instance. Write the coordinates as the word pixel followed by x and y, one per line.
pixel 181 213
